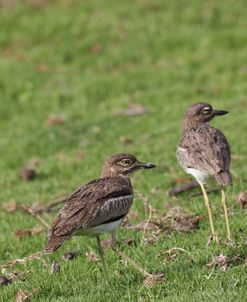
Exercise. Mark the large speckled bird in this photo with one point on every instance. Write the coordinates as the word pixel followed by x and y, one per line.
pixel 204 152
pixel 99 206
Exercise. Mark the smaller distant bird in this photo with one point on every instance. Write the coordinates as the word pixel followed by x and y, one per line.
pixel 99 206
pixel 204 152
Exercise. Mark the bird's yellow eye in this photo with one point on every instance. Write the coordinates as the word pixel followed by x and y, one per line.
pixel 125 162
pixel 206 110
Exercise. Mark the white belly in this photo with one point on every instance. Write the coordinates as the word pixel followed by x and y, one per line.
pixel 100 229
pixel 200 176
pixel 106 227
pixel 184 160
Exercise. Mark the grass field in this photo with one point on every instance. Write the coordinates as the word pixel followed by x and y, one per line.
pixel 81 62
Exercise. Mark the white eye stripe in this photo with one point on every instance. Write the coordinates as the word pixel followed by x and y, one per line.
pixel 206 110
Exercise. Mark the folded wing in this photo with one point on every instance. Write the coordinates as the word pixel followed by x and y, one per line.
pixel 93 204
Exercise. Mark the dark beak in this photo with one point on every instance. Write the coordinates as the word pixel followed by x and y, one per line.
pixel 146 165
pixel 220 112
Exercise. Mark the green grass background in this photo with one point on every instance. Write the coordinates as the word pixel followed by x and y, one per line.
pixel 85 60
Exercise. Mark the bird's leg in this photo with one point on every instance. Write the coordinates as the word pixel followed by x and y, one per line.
pixel 113 241
pixel 101 253
pixel 126 257
pixel 223 200
pixel 205 195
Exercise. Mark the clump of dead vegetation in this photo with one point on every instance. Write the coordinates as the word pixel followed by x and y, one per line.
pixel 222 262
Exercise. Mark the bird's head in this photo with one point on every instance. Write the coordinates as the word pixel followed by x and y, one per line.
pixel 122 165
pixel 201 113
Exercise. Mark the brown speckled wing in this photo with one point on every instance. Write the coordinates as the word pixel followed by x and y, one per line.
pixel 93 204
pixel 206 149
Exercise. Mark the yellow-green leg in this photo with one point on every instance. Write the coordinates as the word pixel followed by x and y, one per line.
pixel 127 258
pixel 223 200
pixel 101 253
pixel 205 195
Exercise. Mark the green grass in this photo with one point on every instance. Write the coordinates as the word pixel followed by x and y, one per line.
pixel 85 60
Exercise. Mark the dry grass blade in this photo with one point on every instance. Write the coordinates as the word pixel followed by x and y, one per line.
pixel 151 225
pixel 11 263
pixel 130 241
pixel 173 253
pixel 34 209
pixel 55 267
pixel 39 209
pixel 35 215
pixel 19 233
pixel 55 203
pixel 176 219
pixel 148 210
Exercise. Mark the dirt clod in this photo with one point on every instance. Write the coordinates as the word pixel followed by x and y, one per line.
pixel 55 120
pixel 69 256
pixel 22 296
pixel 153 279
pixel 241 199
pixel 27 173
pixel 132 110
pixel 4 280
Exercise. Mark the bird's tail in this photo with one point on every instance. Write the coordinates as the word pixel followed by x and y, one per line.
pixel 54 242
pixel 223 178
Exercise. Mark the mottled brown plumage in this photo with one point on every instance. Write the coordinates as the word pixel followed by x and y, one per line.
pixel 93 204
pixel 98 206
pixel 203 151
pixel 99 202
pixel 203 147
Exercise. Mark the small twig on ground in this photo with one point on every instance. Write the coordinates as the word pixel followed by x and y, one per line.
pixel 35 215
pixel 200 193
pixel 55 203
pixel 187 187
pixel 11 263
pixel 37 212
pixel 149 212
pixel 182 250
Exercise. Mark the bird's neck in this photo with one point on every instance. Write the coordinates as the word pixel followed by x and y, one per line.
pixel 111 173
pixel 190 124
